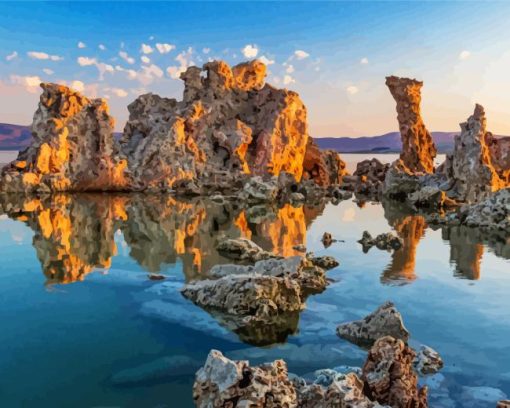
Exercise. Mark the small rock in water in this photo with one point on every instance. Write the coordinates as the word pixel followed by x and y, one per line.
pixel 242 249
pixel 385 321
pixel 156 276
pixel 299 248
pixel 325 262
pixel 385 241
pixel 427 361
pixel 503 404
pixel 327 239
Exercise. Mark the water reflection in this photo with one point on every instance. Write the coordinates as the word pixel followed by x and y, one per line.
pixel 75 234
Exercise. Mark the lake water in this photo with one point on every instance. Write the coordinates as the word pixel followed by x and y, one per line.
pixel 84 326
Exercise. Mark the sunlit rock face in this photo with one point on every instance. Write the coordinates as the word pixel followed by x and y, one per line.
pixel 474 173
pixel 418 149
pixel 325 167
pixel 228 124
pixel 72 149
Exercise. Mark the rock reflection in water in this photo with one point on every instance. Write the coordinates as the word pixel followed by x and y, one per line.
pixel 74 234
pixel 465 251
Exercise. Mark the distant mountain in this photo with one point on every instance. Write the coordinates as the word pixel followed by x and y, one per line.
pixel 387 143
pixel 14 137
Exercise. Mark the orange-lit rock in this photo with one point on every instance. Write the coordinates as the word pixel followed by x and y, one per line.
pixel 229 124
pixel 418 149
pixel 325 167
pixel 72 149
pixel 471 167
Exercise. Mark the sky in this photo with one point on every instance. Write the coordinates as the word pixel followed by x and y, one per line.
pixel 335 55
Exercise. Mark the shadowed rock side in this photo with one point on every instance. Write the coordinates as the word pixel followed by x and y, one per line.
pixel 325 167
pixel 418 149
pixel 72 148
pixel 229 126
pixel 471 168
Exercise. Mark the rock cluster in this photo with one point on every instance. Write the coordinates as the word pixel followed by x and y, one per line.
pixel 389 377
pixel 242 249
pixel 386 241
pixel 492 213
pixel 72 147
pixel 385 321
pixel 367 179
pixel 418 149
pixel 229 126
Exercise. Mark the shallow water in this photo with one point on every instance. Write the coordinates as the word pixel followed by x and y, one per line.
pixel 83 325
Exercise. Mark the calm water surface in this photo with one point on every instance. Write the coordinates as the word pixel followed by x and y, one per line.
pixel 83 325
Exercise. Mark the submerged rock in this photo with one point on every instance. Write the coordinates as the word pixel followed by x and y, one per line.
pixel 418 149
pixel 389 376
pixel 385 321
pixel 386 241
pixel 427 361
pixel 222 382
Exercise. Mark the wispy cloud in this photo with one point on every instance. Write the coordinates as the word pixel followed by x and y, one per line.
pixel 145 59
pixel 101 47
pixel 363 60
pixel 121 93
pixel 48 71
pixel 30 83
pixel 287 80
pixel 146 49
pixel 250 51
pixel 81 44
pixel 78 86
pixel 44 56
pixel 184 60
pixel 266 60
pixel 101 66
pixel 12 56
pixel 164 48
pixel 352 90
pixel 300 54
pixel 124 55
pixel 464 55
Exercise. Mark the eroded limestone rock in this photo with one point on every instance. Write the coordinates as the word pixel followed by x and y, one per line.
pixel 389 376
pixel 325 167
pixel 427 361
pixel 242 249
pixel 492 213
pixel 386 241
pixel 385 321
pixel 418 149
pixel 73 148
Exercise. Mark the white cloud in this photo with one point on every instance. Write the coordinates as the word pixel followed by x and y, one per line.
pixel 266 60
pixel 206 50
pixel 11 56
pixel 287 80
pixel 86 61
pixel 43 56
pixel 30 83
pixel 146 49
pixel 363 60
pixel 145 59
pixel 148 73
pixel 290 69
pixel 48 71
pixel 82 45
pixel 184 60
pixel 101 47
pixel 131 73
pixel 464 55
pixel 124 55
pixel 250 51
pixel 300 54
pixel 352 90
pixel 121 93
pixel 164 48
pixel 78 86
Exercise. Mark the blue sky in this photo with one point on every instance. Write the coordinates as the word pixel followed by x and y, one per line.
pixel 335 55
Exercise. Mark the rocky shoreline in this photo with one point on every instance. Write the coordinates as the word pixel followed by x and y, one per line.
pixel 233 137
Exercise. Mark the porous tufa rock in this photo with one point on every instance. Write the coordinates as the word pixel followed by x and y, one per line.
pixel 475 175
pixel 72 149
pixel 389 376
pixel 243 249
pixel 492 214
pixel 418 149
pixel 324 167
pixel 385 321
pixel 427 361
pixel 222 381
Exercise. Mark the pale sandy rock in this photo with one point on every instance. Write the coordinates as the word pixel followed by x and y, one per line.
pixel 492 213
pixel 242 249
pixel 385 321
pixel 72 149
pixel 389 376
pixel 427 361
pixel 418 149
pixel 223 382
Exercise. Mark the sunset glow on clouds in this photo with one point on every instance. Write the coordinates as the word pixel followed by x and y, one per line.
pixel 334 55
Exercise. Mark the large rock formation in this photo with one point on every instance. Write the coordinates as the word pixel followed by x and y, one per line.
pixel 418 149
pixel 228 124
pixel 471 167
pixel 72 149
